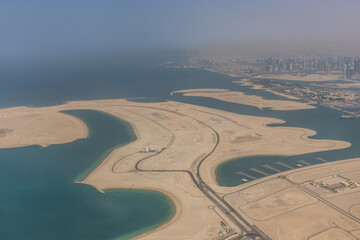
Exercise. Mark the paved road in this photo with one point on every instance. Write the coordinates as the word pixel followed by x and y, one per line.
pixel 247 231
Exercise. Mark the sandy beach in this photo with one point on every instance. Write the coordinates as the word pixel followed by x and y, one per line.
pixel 184 136
pixel 344 85
pixel 247 82
pixel 22 126
pixel 306 78
pixel 242 98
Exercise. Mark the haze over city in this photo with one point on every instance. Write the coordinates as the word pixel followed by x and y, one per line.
pixel 51 28
pixel 179 119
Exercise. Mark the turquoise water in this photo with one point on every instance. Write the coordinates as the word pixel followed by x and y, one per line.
pixel 325 121
pixel 39 199
pixel 38 189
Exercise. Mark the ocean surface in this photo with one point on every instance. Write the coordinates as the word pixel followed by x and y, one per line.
pixel 40 199
pixel 325 121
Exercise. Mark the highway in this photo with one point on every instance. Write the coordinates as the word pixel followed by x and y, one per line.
pixel 246 230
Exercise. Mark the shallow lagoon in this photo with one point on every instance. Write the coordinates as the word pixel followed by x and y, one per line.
pixel 39 199
pixel 23 170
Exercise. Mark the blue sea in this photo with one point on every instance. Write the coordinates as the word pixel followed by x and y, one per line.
pixel 39 199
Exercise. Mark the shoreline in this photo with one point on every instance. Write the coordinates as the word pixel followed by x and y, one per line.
pixel 49 127
pixel 226 95
pixel 173 200
pixel 135 137
pixel 176 214
pixel 291 187
pixel 306 136
pixel 185 140
pixel 306 78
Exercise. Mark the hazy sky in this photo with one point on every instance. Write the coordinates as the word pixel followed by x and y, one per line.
pixel 52 27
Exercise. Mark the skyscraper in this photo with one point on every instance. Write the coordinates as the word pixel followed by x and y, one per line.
pixel 327 67
pixel 345 71
pixel 357 67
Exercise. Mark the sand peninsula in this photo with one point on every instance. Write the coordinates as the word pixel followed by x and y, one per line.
pixel 191 141
pixel 306 78
pixel 242 98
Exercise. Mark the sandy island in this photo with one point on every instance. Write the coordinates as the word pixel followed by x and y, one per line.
pixel 306 78
pixel 190 140
pixel 343 85
pixel 247 82
pixel 242 98
pixel 21 126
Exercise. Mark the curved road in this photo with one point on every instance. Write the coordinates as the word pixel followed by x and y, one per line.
pixel 246 229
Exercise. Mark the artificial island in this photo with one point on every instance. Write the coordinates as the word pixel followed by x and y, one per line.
pixel 177 149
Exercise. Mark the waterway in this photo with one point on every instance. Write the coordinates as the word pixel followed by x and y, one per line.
pixel 325 121
pixel 40 201
pixel 38 183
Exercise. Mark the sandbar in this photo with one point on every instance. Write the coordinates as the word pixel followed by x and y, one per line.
pixel 242 98
pixel 306 78
pixel 23 126
pixel 189 139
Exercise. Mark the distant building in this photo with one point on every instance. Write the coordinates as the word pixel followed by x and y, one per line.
pixel 146 149
pixel 346 71
pixel 276 68
pixel 349 72
pixel 357 67
pixel 327 68
pixel 304 65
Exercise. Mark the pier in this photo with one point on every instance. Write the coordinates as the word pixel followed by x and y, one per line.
pixel 259 171
pixel 284 165
pixel 271 168
pixel 321 159
pixel 304 162
pixel 246 175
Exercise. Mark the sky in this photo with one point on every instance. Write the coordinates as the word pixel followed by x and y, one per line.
pixel 53 27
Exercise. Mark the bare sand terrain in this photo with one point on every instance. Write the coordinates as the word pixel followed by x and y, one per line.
pixel 211 90
pixel 191 141
pixel 248 82
pixel 306 78
pixel 22 126
pixel 344 85
pixel 292 206
pixel 242 98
